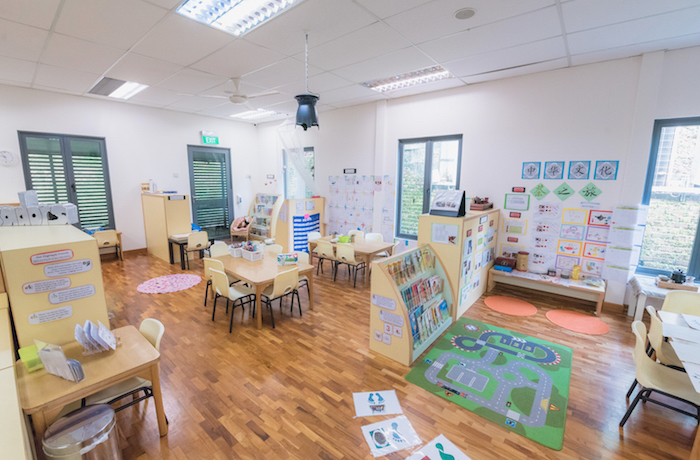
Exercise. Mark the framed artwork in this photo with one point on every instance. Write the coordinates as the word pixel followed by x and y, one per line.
pixel 531 170
pixel 574 216
pixel 569 248
pixel 554 170
pixel 517 202
pixel 566 262
pixel 594 251
pixel 606 170
pixel 572 232
pixel 579 170
pixel 592 267
pixel 598 234
pixel 600 218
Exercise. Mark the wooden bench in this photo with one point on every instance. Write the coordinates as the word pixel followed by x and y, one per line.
pixel 569 288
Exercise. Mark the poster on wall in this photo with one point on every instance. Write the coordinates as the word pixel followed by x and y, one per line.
pixel 444 233
pixel 574 216
pixel 510 250
pixel 579 170
pixel 600 218
pixel 592 266
pixel 517 202
pixel 518 226
pixel 564 191
pixel 590 192
pixel 539 191
pixel 594 251
pixel 606 170
pixel 598 234
pixel 547 210
pixel 569 248
pixel 531 170
pixel 572 232
pixel 554 170
pixel 567 262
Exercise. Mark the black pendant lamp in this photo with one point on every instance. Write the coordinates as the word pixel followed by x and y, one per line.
pixel 307 116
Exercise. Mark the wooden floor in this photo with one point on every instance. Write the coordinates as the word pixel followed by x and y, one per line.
pixel 286 393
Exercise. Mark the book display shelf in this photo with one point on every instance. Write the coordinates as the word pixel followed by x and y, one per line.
pixel 411 306
pixel 264 211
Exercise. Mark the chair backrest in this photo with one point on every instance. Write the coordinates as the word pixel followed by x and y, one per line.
pixel 285 282
pixel 274 248
pixel 237 222
pixel 325 249
pixel 219 281
pixel 218 249
pixel 197 240
pixel 106 238
pixel 374 238
pixel 313 236
pixel 303 257
pixel 345 252
pixel 356 236
pixel 656 330
pixel 682 302
pixel 153 330
pixel 643 363
pixel 212 263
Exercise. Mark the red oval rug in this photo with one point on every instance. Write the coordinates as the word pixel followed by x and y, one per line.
pixel 577 322
pixel 510 306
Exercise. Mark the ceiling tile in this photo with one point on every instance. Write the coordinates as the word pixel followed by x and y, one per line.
pixel 142 69
pixel 280 73
pixel 229 87
pixel 37 13
pixel 358 101
pixel 366 43
pixel 224 110
pixel 349 92
pixel 288 108
pixel 436 19
pixel 588 14
pixel 534 68
pixel 156 96
pixel 635 50
pixel 675 24
pixel 386 8
pixel 16 70
pixel 317 84
pixel 385 66
pixel 73 53
pixel 426 88
pixel 66 79
pixel 238 58
pixel 324 19
pixel 544 50
pixel 195 103
pixel 181 40
pixel 526 28
pixel 192 81
pixel 325 108
pixel 118 24
pixel 20 41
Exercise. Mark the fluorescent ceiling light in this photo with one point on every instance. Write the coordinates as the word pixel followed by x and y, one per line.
pixel 119 89
pixel 256 114
pixel 417 77
pixel 236 17
pixel 127 90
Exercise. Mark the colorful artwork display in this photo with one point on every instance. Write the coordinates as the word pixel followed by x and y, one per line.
pixel 564 191
pixel 567 262
pixel 600 218
pixel 554 170
pixel 539 191
pixel 579 170
pixel 598 234
pixel 569 248
pixel 606 170
pixel 574 216
pixel 531 170
pixel 592 267
pixel 590 192
pixel 572 232
pixel 594 251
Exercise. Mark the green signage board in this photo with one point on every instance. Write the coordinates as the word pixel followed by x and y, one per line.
pixel 210 140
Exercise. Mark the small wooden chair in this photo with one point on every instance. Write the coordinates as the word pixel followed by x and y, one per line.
pixel 325 252
pixel 109 239
pixel 273 248
pixel 196 242
pixel 222 288
pixel 285 283
pixel 356 236
pixel 345 254
pixel 239 230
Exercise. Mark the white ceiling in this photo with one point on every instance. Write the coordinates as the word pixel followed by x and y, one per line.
pixel 69 45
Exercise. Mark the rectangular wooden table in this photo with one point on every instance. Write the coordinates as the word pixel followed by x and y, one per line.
pixel 261 274
pixel 364 250
pixel 43 395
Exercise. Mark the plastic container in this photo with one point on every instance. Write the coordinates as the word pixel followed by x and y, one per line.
pixel 343 239
pixel 30 357
pixel 253 256
pixel 235 252
pixel 85 434
pixel 521 261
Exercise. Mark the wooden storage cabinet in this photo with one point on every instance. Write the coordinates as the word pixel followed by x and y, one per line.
pixel 165 215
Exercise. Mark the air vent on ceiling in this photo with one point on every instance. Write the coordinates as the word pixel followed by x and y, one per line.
pixel 106 86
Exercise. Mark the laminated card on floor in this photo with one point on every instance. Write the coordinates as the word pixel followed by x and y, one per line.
pixel 390 436
pixel 376 403
pixel 439 448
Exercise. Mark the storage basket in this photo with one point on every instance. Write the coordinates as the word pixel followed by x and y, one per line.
pixel 235 252
pixel 253 256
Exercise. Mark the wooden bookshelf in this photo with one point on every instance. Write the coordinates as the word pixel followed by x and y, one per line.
pixel 264 212
pixel 411 304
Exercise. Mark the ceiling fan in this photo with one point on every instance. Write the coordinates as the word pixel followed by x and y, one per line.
pixel 237 98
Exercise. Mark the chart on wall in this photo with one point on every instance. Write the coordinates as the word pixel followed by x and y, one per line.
pixel 351 204
pixel 302 226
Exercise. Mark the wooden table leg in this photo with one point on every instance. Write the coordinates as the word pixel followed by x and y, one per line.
pixel 310 276
pixel 258 303
pixel 39 423
pixel 695 453
pixel 158 398
pixel 599 306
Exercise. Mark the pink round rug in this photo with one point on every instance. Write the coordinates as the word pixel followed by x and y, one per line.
pixel 168 283
pixel 510 306
pixel 577 322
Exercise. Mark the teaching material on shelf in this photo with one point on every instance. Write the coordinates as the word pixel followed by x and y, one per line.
pixel 469 248
pixel 302 216
pixel 376 403
pixel 390 436
pixel 449 203
pixel 412 306
pixel 264 213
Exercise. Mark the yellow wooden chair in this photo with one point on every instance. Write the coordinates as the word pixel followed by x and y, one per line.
pixel 664 352
pixel 273 248
pixel 109 239
pixel 356 236
pixel 682 302
pixel 303 279
pixel 236 294
pixel 196 242
pixel 286 283
pixel 325 251
pixel 345 254
pixel 313 236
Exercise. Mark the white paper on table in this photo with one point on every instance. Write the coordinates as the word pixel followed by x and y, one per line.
pixel 390 436
pixel 687 352
pixel 92 334
pixel 82 340
pixel 680 332
pixel 435 449
pixel 376 403
pixel 106 336
pixel 693 371
pixel 692 320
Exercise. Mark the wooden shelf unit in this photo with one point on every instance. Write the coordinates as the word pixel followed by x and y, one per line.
pixel 394 317
pixel 165 215
pixel 284 234
pixel 453 254
pixel 264 213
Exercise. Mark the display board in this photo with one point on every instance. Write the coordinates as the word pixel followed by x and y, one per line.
pixel 296 219
pixel 411 304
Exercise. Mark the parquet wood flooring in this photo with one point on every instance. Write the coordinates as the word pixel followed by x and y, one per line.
pixel 286 393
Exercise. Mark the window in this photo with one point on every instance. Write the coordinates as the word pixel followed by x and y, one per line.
pixel 210 185
pixel 294 185
pixel 673 194
pixel 425 165
pixel 69 169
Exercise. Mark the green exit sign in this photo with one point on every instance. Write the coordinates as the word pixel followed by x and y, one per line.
pixel 211 140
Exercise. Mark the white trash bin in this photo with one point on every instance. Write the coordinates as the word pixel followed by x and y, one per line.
pixel 85 434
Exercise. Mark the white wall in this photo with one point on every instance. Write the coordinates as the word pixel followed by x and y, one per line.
pixel 142 143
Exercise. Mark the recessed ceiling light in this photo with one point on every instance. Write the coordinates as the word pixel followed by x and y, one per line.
pixel 118 89
pixel 256 114
pixel 236 17
pixel 465 13
pixel 417 77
